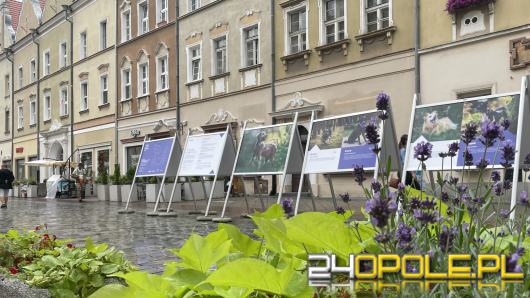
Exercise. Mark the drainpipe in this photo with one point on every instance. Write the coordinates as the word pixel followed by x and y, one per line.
pixel 177 60
pixel 68 18
pixel 34 36
pixel 417 77
pixel 116 88
pixel 273 78
pixel 10 55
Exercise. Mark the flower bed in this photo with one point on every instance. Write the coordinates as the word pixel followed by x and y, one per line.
pixel 467 219
pixel 40 260
pixel 453 6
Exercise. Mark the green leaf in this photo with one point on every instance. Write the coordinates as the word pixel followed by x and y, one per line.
pixel 109 269
pixel 274 233
pixel 50 261
pixel 256 274
pixel 200 253
pixel 275 211
pixel 112 291
pixel 241 242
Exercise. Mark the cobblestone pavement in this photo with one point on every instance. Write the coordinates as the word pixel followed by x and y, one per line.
pixel 145 240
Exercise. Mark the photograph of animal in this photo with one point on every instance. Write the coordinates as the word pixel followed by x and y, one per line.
pixel 263 153
pixel 356 136
pixel 435 125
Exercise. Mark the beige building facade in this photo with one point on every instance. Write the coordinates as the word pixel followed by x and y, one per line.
pixel 5 108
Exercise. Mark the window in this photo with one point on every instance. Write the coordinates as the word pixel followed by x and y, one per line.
pixel 86 160
pixel 143 18
pixel 63 55
pixel 104 87
pixel 46 63
pixel 33 170
pixel 132 155
pixel 21 168
pixel 7 121
pixel 162 10
pixel 82 45
pixel 103 162
pixel 143 79
pixel 251 45
pixel 103 35
pixel 32 111
pixel 219 46
pixel 195 4
pixel 297 30
pixel 33 70
pixel 84 96
pixel 20 77
pixel 474 93
pixel 20 117
pixel 47 107
pixel 126 26
pixel 377 15
pixel 194 63
pixel 64 102
pixel 126 84
pixel 162 69
pixel 334 20
pixel 7 85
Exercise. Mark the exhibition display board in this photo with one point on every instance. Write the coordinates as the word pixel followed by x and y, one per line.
pixel 442 124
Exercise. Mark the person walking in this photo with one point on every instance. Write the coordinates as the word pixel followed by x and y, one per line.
pixel 6 184
pixel 80 174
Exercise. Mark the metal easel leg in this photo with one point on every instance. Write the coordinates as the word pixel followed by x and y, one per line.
pixel 256 180
pixel 223 218
pixel 333 197
pixel 126 210
pixel 247 215
pixel 155 213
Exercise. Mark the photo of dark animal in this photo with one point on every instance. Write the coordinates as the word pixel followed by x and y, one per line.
pixel 263 153
pixel 326 135
pixel 356 135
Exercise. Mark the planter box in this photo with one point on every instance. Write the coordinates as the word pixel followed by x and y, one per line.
pixel 31 191
pixel 11 193
pixel 125 190
pixel 199 193
pixel 102 191
pixel 115 193
pixel 41 190
pixel 151 192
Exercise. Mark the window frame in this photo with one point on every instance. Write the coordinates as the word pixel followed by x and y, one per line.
pixel 83 45
pixel 145 18
pixel 47 111
pixel 63 101
pixel 126 35
pixel 83 98
pixel 125 85
pixel 162 11
pixel 20 76
pixel 32 110
pixel 142 80
pixel 33 70
pixel 103 88
pixel 364 15
pixel 244 42
pixel 160 74
pixel 20 116
pixel 191 59
pixel 215 50
pixel 7 116
pixel 287 27
pixel 103 35
pixel 191 5
pixel 323 23
pixel 63 54
pixel 46 61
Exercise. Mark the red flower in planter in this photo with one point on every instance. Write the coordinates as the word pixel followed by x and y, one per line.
pixel 37 228
pixel 70 245
pixel 13 270
pixel 46 236
pixel 454 5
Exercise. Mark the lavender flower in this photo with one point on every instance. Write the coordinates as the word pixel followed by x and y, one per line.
pixel 442 154
pixel 482 164
pixel 444 196
pixel 376 186
pixel 287 205
pixel 495 176
pixel 470 133
pixel 426 216
pixel 383 104
pixel 423 151
pixel 383 237
pixel 453 181
pixel 513 260
pixel 504 213
pixel 358 174
pixel 340 210
pixel 505 124
pixel 380 210
pixel 468 158
pixel 490 131
pixel 508 154
pixel 401 187
pixel 446 238
pixel 453 149
pixel 415 203
pixel 428 204
pixel 523 198
pixel 404 236
pixel 345 197
pixel 507 185
pixel 372 133
pixel 497 188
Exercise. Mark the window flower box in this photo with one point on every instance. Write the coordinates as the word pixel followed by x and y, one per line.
pixel 453 6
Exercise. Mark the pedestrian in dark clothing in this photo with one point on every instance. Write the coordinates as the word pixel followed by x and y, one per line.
pixel 6 184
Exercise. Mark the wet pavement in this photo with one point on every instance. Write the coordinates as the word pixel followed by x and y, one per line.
pixel 144 240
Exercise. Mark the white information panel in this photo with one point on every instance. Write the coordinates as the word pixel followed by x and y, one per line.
pixel 202 155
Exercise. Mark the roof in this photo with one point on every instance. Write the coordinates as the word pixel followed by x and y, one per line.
pixel 15 7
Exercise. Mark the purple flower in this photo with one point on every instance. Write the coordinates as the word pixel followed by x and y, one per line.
pixel 358 174
pixel 513 260
pixel 444 196
pixel 468 158
pixel 505 124
pixel 345 197
pixel 508 154
pixel 415 203
pixel 453 181
pixel 401 186
pixel 470 133
pixel 523 198
pixel 426 216
pixel 453 6
pixel 461 189
pixel 340 210
pixel 428 204
pixel 490 131
pixel 507 185
pixel 504 213
pixel 383 102
pixel 495 176
pixel 371 132
pixel 404 236
pixel 376 186
pixel 442 154
pixel 446 238
pixel 287 205
pixel 380 210
pixel 497 188
pixel 482 164
pixel 383 237
pixel 453 149
pixel 423 151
